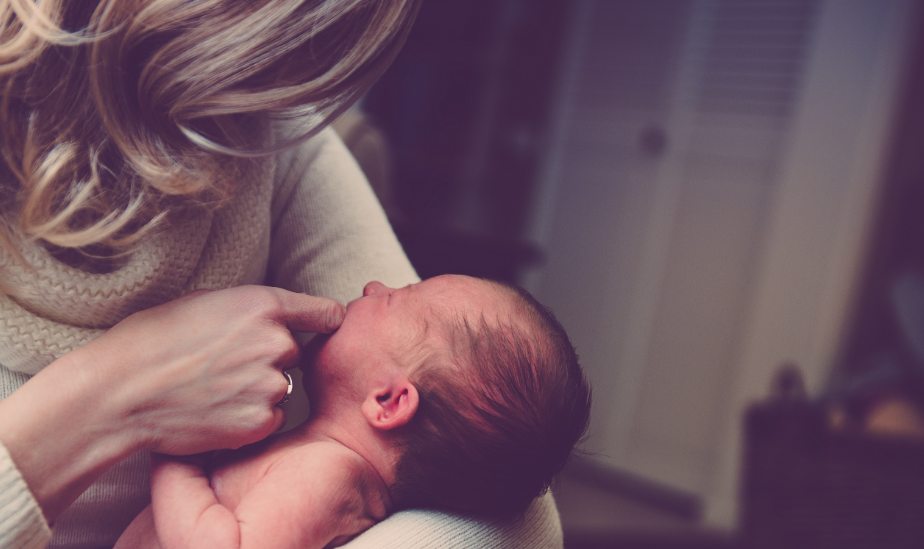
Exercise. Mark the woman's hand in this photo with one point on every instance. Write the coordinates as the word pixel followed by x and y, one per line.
pixel 198 373
pixel 204 371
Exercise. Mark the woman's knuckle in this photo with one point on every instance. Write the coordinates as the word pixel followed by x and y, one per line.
pixel 256 421
pixel 290 349
pixel 278 342
pixel 267 423
pixel 258 300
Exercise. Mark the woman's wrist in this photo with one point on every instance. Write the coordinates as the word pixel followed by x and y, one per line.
pixel 62 432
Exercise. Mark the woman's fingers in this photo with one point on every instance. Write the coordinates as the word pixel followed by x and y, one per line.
pixel 306 313
pixel 279 418
pixel 283 346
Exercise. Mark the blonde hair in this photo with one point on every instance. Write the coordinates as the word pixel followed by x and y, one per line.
pixel 115 113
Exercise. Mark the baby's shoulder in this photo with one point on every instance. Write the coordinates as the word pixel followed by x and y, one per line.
pixel 343 490
pixel 338 474
pixel 324 457
pixel 311 495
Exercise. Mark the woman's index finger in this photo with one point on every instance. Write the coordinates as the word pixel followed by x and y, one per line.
pixel 308 313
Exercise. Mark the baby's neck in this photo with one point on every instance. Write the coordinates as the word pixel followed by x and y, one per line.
pixel 354 433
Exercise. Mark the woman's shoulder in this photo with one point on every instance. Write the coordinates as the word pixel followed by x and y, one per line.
pixel 323 154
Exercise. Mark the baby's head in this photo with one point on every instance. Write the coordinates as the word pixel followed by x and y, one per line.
pixel 478 382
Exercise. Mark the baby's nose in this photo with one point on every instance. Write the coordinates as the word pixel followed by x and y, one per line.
pixel 373 288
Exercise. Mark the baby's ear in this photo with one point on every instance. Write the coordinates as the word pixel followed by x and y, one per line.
pixel 392 404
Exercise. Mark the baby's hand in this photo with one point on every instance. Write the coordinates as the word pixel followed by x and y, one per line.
pixel 185 508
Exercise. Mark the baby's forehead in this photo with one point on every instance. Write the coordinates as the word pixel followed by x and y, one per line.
pixel 467 306
pixel 464 298
pixel 436 312
pixel 465 290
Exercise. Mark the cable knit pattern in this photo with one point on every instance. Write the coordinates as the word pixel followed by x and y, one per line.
pixel 29 343
pixel 308 223
pixel 63 308
pixel 155 274
pixel 238 244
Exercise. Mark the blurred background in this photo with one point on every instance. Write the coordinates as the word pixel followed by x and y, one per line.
pixel 702 191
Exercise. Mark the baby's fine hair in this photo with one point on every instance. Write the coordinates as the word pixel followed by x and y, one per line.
pixel 490 434
pixel 116 112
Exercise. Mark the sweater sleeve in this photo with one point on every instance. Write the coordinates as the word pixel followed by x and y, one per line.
pixel 22 525
pixel 329 235
pixel 540 528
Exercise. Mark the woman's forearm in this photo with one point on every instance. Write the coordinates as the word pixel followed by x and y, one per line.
pixel 62 432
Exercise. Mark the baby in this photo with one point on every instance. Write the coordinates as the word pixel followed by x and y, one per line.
pixel 456 394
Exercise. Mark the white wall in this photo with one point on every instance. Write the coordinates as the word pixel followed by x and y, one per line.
pixel 686 277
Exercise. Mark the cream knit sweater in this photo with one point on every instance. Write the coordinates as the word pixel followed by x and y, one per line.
pixel 309 223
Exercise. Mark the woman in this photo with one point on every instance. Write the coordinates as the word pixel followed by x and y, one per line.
pixel 154 150
pixel 141 143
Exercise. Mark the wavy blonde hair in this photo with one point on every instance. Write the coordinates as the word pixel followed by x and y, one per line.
pixel 115 113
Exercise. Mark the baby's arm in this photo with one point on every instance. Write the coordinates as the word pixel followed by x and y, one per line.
pixel 185 507
pixel 186 510
pixel 304 501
